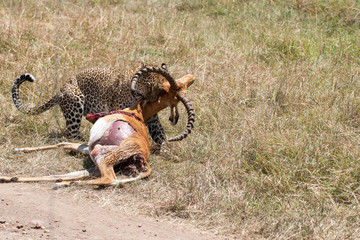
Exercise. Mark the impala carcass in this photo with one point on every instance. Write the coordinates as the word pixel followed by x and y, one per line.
pixel 118 140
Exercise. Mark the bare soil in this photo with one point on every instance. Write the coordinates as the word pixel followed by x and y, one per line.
pixel 29 211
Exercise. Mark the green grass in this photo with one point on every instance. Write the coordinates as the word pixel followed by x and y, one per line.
pixel 275 149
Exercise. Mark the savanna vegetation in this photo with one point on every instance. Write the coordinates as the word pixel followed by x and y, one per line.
pixel 275 149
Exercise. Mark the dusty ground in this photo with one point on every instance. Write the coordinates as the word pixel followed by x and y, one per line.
pixel 35 212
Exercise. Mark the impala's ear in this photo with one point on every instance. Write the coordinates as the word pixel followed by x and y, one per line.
pixel 174 115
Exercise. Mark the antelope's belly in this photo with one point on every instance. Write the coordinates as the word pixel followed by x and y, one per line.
pixel 116 133
pixel 109 133
pixel 106 136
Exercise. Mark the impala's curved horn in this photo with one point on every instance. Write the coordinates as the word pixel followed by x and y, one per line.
pixel 191 118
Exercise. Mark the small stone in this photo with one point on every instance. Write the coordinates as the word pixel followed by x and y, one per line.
pixel 84 230
pixel 2 221
pixel 139 225
pixel 19 226
pixel 36 224
pixel 46 231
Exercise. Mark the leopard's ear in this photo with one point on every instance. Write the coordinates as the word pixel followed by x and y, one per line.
pixel 162 71
pixel 163 66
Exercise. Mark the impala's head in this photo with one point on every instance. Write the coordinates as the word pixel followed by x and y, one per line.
pixel 169 92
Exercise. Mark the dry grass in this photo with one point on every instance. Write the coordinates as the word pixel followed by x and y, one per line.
pixel 275 152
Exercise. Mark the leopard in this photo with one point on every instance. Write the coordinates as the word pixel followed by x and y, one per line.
pixel 98 89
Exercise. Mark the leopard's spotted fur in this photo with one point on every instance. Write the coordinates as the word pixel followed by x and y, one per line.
pixel 97 90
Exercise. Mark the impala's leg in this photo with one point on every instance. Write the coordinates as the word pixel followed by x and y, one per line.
pixel 113 183
pixel 125 180
pixel 102 182
pixel 76 147
pixel 107 175
pixel 91 172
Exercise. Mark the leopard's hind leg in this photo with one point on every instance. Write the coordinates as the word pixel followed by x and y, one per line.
pixel 72 106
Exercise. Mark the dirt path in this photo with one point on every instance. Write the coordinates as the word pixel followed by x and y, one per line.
pixel 33 212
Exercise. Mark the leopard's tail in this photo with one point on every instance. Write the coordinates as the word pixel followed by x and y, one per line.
pixel 18 102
